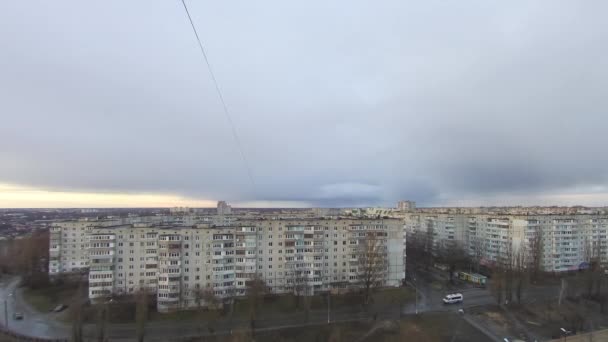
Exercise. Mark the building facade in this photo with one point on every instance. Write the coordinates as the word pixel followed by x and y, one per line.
pixel 68 244
pixel 406 205
pixel 558 242
pixel 179 263
pixel 223 208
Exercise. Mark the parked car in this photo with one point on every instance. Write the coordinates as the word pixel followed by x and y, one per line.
pixel 60 308
pixel 18 315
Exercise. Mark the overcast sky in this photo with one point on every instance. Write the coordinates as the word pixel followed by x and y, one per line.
pixel 336 103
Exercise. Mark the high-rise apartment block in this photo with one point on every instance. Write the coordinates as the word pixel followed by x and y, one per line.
pixel 223 208
pixel 406 205
pixel 68 244
pixel 308 255
pixel 559 242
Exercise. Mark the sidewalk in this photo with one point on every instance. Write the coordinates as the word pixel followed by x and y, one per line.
pixel 600 335
pixel 519 325
pixel 34 324
pixel 481 328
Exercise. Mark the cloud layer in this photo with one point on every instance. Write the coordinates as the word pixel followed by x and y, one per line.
pixel 336 103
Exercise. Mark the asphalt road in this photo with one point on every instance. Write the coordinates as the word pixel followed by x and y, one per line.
pixel 44 325
pixel 34 323
pixel 431 299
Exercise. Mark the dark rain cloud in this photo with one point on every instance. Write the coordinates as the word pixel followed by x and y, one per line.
pixel 336 103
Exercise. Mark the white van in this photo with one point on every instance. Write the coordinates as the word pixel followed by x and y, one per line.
pixel 453 298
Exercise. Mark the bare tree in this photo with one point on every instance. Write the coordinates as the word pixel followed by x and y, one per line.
pixel 198 296
pixel 141 314
pixel 588 273
pixel 207 297
pixel 210 299
pixel 420 244
pixel 508 262
pixel 101 322
pixel 562 292
pixel 454 256
pixel 335 334
pixel 429 244
pixel 256 290
pixel 478 252
pixel 598 270
pixel 520 272
pixel 298 282
pixel 592 274
pixel 29 258
pixel 76 313
pixel 372 264
pixel 602 296
pixel 498 278
pixel 535 254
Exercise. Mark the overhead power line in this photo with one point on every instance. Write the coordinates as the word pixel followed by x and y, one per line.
pixel 219 93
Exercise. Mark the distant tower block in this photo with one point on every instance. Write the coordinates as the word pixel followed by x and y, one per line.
pixel 223 208
pixel 406 205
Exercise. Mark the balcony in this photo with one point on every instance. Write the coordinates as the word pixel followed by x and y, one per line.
pixel 224 287
pixel 108 240
pixel 100 261
pixel 169 299
pixel 173 279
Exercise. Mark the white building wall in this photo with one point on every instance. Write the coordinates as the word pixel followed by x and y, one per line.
pixel 568 241
pixel 176 263
pixel 68 245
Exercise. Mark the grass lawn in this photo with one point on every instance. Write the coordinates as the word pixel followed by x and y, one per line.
pixel 431 327
pixel 437 285
pixel 288 304
pixel 436 327
pixel 47 298
pixel 394 295
pixel 348 332
pixel 186 316
pixel 546 318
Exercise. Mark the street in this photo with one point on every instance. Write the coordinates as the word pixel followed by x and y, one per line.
pixel 36 324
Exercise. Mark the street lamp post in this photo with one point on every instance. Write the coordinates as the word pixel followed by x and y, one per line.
pixel 328 304
pixel 416 300
pixel 6 309
pixel 416 289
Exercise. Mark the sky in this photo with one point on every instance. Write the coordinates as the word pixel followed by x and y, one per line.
pixel 334 103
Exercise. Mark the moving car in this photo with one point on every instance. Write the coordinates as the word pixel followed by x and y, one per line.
pixel 453 298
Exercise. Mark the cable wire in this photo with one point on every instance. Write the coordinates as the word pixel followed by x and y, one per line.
pixel 219 93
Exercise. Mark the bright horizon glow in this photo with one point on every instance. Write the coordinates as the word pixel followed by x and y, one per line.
pixel 18 196
pixel 15 196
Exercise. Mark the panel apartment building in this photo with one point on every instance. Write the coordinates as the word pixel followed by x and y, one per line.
pixel 178 262
pixel 68 244
pixel 562 242
pixel 69 239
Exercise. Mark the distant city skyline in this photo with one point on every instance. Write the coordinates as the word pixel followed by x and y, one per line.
pixel 335 104
pixel 27 197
